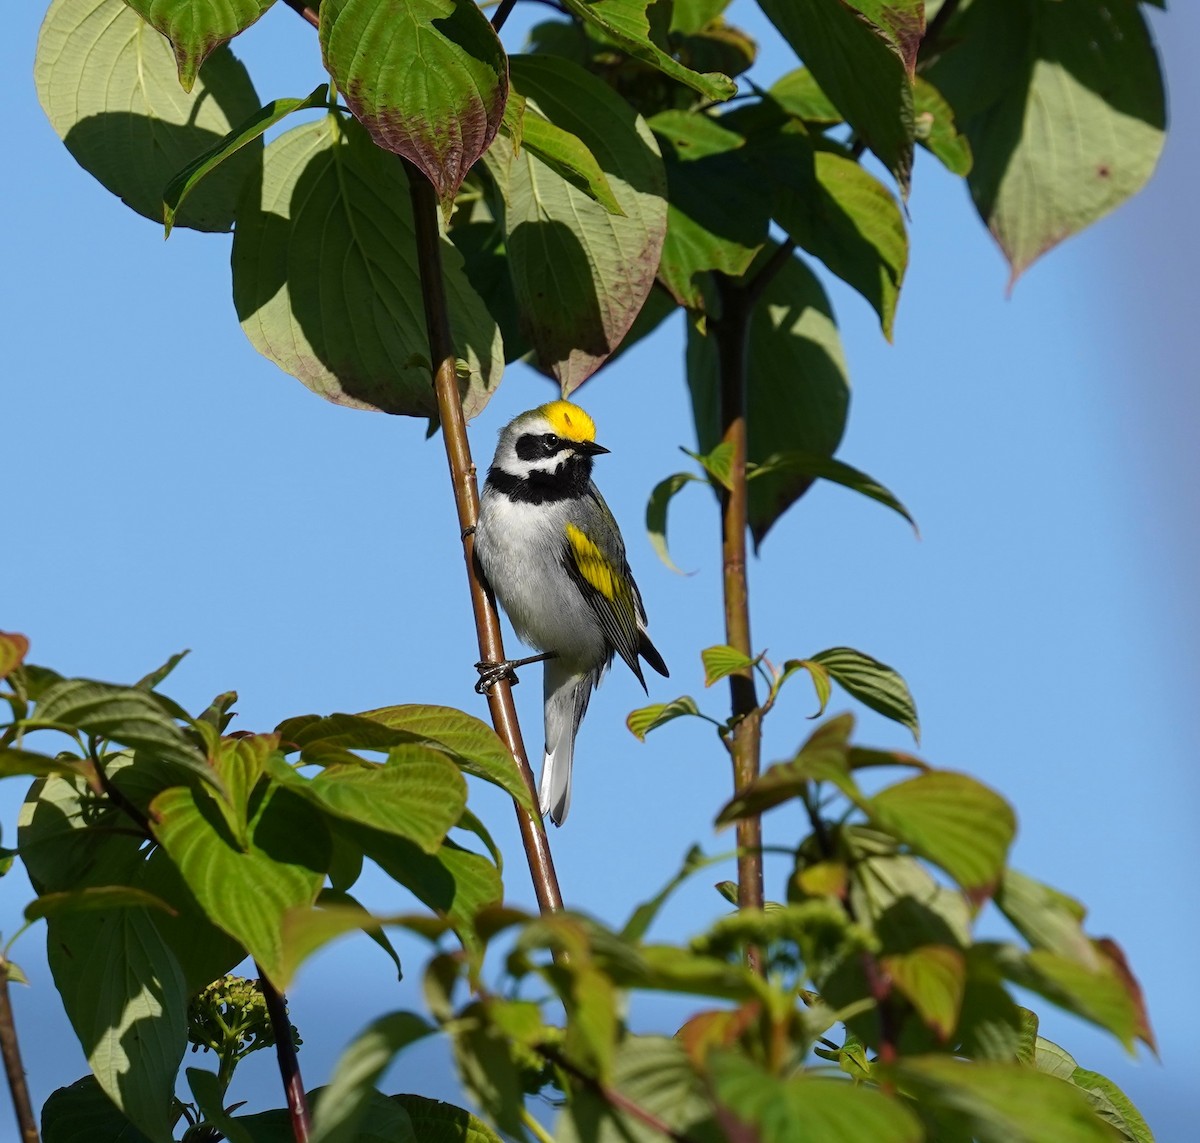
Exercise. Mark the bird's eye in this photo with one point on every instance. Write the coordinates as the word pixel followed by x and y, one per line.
pixel 550 444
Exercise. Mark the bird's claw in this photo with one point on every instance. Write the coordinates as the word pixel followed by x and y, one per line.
pixel 492 673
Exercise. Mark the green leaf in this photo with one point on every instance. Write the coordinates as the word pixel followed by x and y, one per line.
pixel 653 1073
pixel 689 16
pixel 427 78
pixel 873 683
pixel 831 207
pixel 13 649
pixel 643 916
pixel 326 283
pixel 568 156
pixel 1064 108
pixel 1112 1105
pixel 243 134
pixel 717 214
pixel 722 661
pixel 952 820
pixel 648 718
pixel 1003 1103
pixel 808 1109
pixel 933 978
pixel 836 472
pixel 108 85
pixel 472 745
pixel 124 994
pixel 819 676
pixel 626 23
pixel 936 129
pixel 383 1121
pixel 568 256
pixel 798 391
pixel 823 758
pixel 862 54
pixel 437 1122
pixel 82 1113
pixel 417 794
pixel 194 30
pixel 134 718
pixel 97 898
pixel 357 1071
pixel 151 681
pixel 656 514
pixel 14 761
pixel 488 1068
pixel 209 1096
pixel 1046 918
pixel 246 891
pixel 799 95
pixel 454 882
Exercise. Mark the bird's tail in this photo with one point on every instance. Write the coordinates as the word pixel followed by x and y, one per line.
pixel 566 700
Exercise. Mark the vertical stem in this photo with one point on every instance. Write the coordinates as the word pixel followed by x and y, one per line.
pixel 289 1066
pixel 466 499
pixel 13 1069
pixel 731 331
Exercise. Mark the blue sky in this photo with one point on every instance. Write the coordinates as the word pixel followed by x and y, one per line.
pixel 168 488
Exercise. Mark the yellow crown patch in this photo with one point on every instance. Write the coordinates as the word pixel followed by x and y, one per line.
pixel 569 421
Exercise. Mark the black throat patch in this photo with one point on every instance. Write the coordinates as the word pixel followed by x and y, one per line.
pixel 568 482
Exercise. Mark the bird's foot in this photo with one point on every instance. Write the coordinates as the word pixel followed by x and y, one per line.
pixel 505 671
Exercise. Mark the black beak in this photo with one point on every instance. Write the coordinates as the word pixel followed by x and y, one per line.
pixel 588 448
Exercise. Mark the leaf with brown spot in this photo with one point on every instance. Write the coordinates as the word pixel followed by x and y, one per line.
pixel 13 649
pixel 427 78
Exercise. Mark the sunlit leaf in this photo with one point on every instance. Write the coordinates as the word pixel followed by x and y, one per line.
pixel 656 514
pixel 648 718
pixel 873 683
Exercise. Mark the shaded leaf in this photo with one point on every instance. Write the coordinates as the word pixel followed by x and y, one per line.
pixel 246 891
pixel 835 471
pixel 98 898
pixel 326 283
pixel 427 78
pixel 873 683
pixel 798 391
pixel 580 274
pixel 1112 1105
pixel 862 54
pixel 209 1096
pixel 437 1122
pixel 568 156
pixel 124 993
pixel 933 978
pixel 186 180
pixel 717 215
pixel 108 85
pixel 82 1113
pixel 627 24
pixel 936 129
pixel 952 820
pixel 648 718
pixel 14 761
pixel 799 95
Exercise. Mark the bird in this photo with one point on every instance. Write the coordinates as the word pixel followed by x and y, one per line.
pixel 552 552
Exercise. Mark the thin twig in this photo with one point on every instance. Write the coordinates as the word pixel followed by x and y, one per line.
pixel 612 1096
pixel 289 1065
pixel 502 13
pixel 931 41
pixel 753 289
pixel 466 498
pixel 305 11
pixel 13 1069
pixel 731 332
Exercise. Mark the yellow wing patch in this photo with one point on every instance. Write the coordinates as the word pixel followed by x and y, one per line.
pixel 592 565
pixel 570 422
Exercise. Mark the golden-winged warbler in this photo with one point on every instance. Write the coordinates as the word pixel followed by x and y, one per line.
pixel 554 556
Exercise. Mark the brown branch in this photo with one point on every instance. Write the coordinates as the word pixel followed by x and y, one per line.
pixel 612 1096
pixel 466 499
pixel 285 1052
pixel 305 11
pixel 502 13
pixel 13 1069
pixel 731 331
